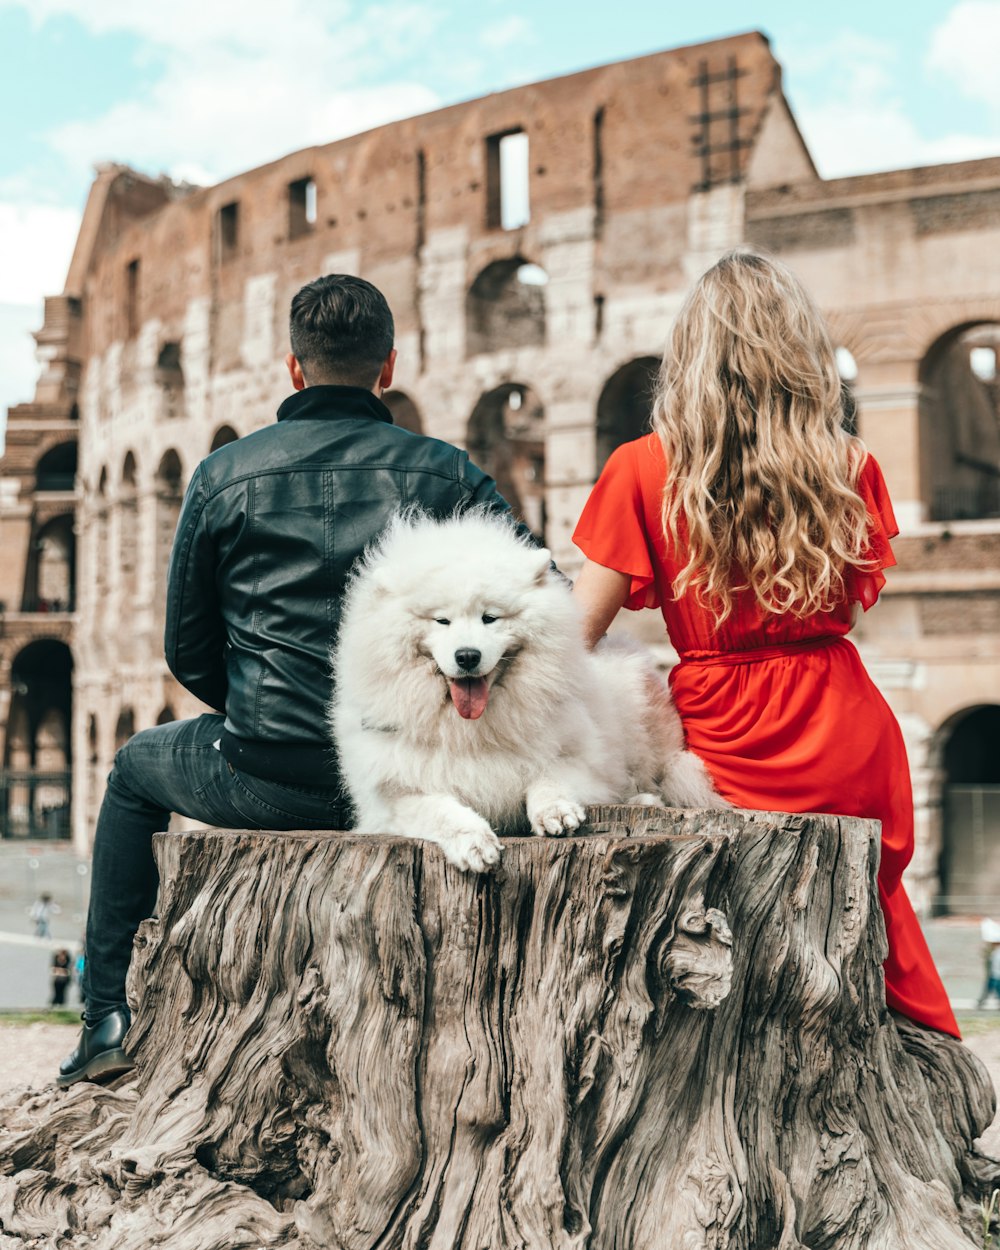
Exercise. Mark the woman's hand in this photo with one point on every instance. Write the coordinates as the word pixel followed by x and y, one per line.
pixel 600 593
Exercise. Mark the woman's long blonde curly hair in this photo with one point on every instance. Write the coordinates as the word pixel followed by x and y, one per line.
pixel 761 476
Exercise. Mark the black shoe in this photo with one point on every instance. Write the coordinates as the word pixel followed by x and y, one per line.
pixel 99 1056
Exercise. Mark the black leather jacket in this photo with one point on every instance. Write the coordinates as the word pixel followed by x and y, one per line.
pixel 270 527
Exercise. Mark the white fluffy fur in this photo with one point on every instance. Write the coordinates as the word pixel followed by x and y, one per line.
pixel 563 727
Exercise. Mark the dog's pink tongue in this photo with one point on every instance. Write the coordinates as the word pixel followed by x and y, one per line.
pixel 469 695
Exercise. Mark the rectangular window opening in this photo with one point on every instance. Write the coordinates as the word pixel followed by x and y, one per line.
pixel 301 207
pixel 507 180
pixel 132 299
pixel 229 230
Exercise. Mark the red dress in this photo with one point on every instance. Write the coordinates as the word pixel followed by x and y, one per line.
pixel 781 710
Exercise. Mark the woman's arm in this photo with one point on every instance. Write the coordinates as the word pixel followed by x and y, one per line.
pixel 600 594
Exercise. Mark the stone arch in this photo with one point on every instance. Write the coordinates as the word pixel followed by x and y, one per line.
pixel 960 423
pixel 166 716
pixel 505 307
pixel 56 469
pixel 36 778
pixel 625 406
pixel 102 543
pixel 223 435
pixel 170 380
pixel 847 367
pixel 965 749
pixel 506 438
pixel 169 497
pixel 51 572
pixel 95 774
pixel 405 412
pixel 128 531
pixel 124 727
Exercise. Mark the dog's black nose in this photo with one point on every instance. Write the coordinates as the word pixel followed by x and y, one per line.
pixel 468 658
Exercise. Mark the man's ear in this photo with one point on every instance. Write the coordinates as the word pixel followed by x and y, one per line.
pixel 385 377
pixel 295 372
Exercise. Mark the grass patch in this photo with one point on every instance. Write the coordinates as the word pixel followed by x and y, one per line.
pixel 66 1015
pixel 976 1023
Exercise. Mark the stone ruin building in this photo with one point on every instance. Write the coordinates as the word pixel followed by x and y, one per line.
pixel 534 246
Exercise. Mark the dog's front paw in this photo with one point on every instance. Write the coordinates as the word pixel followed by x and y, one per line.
pixel 556 816
pixel 476 848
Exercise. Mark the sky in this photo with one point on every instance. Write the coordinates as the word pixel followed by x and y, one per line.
pixel 202 90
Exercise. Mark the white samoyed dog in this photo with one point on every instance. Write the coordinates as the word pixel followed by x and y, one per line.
pixel 466 704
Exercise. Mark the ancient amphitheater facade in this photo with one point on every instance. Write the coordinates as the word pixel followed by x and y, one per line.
pixel 534 246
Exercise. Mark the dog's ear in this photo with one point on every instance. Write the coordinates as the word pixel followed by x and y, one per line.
pixel 378 580
pixel 544 562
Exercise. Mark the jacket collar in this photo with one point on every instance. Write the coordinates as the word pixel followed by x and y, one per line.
pixel 331 403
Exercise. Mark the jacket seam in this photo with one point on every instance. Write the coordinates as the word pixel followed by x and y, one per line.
pixel 324 466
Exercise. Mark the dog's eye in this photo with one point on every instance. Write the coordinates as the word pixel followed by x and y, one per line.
pixel 487 619
pixel 441 620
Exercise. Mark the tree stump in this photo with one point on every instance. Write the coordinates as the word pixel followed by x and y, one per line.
pixel 667 1034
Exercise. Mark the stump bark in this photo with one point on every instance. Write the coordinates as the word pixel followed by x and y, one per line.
pixel 667 1034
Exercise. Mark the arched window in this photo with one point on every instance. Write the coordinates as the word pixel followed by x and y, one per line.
pixel 625 406
pixel 35 794
pixel 505 307
pixel 404 411
pixel 848 369
pixel 960 423
pixel 166 716
pixel 128 532
pixel 970 850
pixel 506 438
pixel 56 470
pixel 52 568
pixel 169 496
pixel 170 380
pixel 102 546
pixel 124 727
pixel 223 435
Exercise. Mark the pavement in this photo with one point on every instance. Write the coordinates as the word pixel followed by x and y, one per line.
pixel 28 869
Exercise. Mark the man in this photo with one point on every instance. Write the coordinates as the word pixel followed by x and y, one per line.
pixel 267 535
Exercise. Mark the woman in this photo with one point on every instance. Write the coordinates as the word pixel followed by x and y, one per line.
pixel 758 525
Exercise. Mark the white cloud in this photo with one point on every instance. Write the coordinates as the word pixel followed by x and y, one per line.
pixel 228 87
pixel 246 25
pixel 964 48
pixel 205 127
pixel 18 369
pixel 507 31
pixel 232 86
pixel 38 244
pixel 852 117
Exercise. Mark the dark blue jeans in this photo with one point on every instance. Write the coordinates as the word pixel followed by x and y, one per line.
pixel 173 768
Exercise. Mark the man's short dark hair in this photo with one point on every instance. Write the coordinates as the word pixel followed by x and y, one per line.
pixel 341 330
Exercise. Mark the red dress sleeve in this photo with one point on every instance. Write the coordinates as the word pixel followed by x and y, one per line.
pixel 865 585
pixel 612 528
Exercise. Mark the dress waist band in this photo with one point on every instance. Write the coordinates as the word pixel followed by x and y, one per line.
pixel 753 654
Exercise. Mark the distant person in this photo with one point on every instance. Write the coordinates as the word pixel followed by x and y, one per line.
pixel 269 530
pixel 990 933
pixel 79 966
pixel 42 911
pixel 62 971
pixel 758 525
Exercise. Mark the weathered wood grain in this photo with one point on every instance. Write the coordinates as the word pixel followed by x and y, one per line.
pixel 668 1034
